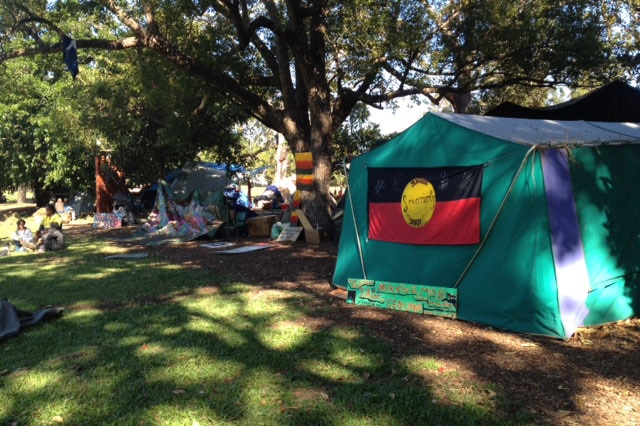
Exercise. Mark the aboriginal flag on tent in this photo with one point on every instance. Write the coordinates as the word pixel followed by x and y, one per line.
pixel 439 206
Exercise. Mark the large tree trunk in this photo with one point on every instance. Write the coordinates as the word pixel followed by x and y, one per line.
pixel 460 98
pixel 317 207
pixel 22 194
pixel 460 101
pixel 315 203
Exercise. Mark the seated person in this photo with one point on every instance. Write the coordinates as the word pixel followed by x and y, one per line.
pixel 240 208
pixel 53 240
pixel 23 237
pixel 237 201
pixel 59 205
pixel 69 210
pixel 50 217
pixel 126 217
pixel 63 210
pixel 271 193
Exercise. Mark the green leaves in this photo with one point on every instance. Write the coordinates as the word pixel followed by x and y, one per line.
pixel 165 81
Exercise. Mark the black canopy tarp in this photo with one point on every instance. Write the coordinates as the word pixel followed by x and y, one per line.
pixel 615 102
pixel 12 319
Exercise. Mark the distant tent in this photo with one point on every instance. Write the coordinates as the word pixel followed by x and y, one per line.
pixel 202 177
pixel 83 204
pixel 183 216
pixel 615 102
pixel 524 225
pixel 199 176
pixel 189 204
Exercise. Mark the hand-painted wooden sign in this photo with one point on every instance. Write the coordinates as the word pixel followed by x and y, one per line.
pixel 420 299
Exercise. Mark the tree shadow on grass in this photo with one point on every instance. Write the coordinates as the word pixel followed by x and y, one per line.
pixel 201 350
pixel 130 365
pixel 150 342
pixel 586 379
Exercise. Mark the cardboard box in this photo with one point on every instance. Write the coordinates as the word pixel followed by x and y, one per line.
pixel 311 235
pixel 260 226
pixel 316 235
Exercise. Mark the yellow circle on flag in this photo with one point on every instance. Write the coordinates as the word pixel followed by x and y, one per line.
pixel 418 202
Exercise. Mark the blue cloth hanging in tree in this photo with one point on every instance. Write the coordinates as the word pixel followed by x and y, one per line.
pixel 70 56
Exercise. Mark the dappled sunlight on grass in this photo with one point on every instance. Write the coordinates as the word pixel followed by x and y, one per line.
pixel 236 288
pixel 284 336
pixel 347 334
pixel 134 341
pixel 196 414
pixel 331 370
pixel 11 273
pixel 172 267
pixel 84 317
pixel 35 381
pixel 266 302
pixel 151 342
pixel 189 367
pixel 217 318
pixel 116 327
pixel 214 307
pixel 419 364
pixel 364 420
pixel 221 332
pixel 448 384
pixel 97 275
pixel 172 331
pixel 267 391
pixel 355 357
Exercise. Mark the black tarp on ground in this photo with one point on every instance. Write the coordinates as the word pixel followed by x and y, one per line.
pixel 12 319
pixel 615 102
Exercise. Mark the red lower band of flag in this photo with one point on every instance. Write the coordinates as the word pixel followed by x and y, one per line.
pixel 453 223
pixel 304 164
pixel 304 180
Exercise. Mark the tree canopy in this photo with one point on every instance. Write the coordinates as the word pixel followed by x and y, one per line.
pixel 36 149
pixel 301 67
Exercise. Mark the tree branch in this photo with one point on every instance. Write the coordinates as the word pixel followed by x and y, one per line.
pixel 33 33
pixel 125 43
pixel 127 20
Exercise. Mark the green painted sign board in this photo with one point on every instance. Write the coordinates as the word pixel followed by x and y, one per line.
pixel 419 299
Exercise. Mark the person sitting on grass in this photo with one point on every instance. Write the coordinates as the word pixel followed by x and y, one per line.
pixel 23 237
pixel 50 216
pixel 53 240
pixel 59 205
pixel 64 210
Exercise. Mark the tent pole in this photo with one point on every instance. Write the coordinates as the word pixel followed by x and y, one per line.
pixel 495 218
pixel 355 224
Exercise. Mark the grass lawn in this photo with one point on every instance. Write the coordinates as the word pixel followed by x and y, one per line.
pixel 146 342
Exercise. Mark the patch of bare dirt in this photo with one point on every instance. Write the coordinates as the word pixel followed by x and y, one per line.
pixel 591 379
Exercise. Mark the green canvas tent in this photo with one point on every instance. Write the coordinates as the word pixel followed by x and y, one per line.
pixel 526 225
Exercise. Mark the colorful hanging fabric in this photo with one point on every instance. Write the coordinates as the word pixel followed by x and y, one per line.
pixel 304 171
